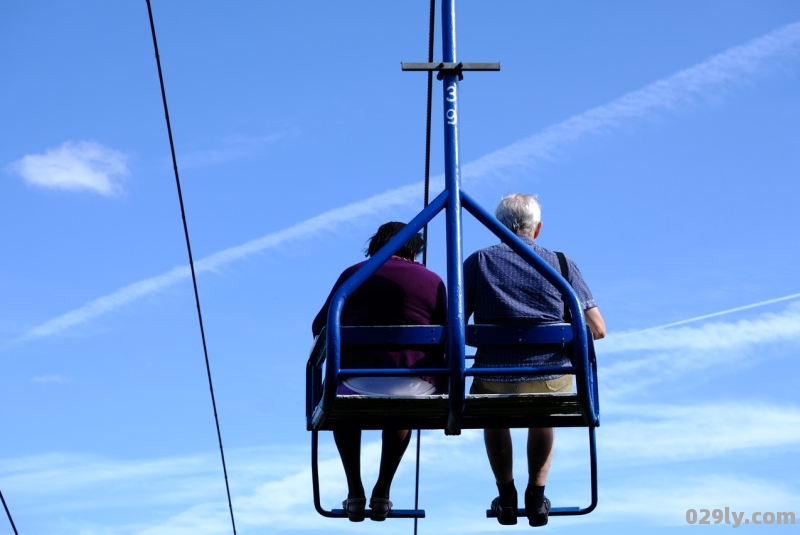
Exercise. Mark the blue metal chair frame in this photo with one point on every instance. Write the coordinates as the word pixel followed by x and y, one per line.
pixel 321 394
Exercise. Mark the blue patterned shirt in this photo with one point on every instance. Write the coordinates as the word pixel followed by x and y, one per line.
pixel 501 288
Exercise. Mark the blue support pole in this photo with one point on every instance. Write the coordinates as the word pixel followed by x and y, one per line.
pixel 455 275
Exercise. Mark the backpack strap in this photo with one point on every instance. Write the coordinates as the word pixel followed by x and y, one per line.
pixel 562 262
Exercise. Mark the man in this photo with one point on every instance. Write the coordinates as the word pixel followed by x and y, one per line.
pixel 502 288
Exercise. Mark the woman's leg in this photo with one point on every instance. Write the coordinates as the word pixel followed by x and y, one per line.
pixel 394 444
pixel 348 442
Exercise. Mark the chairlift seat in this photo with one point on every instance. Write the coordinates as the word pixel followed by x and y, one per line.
pixel 481 411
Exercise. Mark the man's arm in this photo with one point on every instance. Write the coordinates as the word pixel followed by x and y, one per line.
pixel 596 323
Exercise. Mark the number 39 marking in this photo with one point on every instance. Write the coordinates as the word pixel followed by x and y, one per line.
pixel 452 118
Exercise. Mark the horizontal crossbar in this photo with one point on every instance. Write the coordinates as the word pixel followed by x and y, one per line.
pixel 393 513
pixel 555 511
pixel 476 335
pixel 452 67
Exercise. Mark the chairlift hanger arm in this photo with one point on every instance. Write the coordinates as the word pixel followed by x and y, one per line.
pixel 445 68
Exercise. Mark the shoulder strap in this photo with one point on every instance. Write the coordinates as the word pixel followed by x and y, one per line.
pixel 562 262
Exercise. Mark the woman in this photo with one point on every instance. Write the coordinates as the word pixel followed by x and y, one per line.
pixel 400 292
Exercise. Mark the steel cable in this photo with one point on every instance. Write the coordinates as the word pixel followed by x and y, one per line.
pixel 191 260
pixel 432 20
pixel 9 514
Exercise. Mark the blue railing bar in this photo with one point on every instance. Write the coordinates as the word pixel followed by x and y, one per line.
pixel 394 513
pixel 481 335
pixel 593 476
pixel 475 335
pixel 315 475
pixel 591 380
pixel 593 466
pixel 357 279
pixel 339 513
pixel 573 511
pixel 405 372
pixel 455 268
pixel 541 370
pixel 555 511
pixel 385 335
pixel 391 372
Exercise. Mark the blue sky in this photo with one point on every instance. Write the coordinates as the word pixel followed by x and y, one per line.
pixel 661 138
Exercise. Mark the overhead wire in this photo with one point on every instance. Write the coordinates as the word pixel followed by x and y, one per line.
pixel 191 261
pixel 8 513
pixel 431 22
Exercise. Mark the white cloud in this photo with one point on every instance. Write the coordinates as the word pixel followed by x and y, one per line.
pixel 719 71
pixel 665 500
pixel 232 148
pixel 108 303
pixel 635 362
pixel 68 474
pixel 707 316
pixel 75 166
pixel 667 433
pixel 728 67
pixel 767 327
pixel 271 486
pixel 50 379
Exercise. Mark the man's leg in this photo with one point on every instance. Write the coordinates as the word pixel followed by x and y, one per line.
pixel 348 442
pixel 540 457
pixel 500 452
pixel 540 454
pixel 394 444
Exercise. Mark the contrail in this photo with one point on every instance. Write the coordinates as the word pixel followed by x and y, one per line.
pixel 132 292
pixel 667 94
pixel 713 315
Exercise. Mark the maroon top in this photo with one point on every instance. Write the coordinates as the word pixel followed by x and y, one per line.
pixel 400 292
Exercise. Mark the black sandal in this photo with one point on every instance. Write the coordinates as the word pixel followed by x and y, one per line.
pixel 379 508
pixel 354 507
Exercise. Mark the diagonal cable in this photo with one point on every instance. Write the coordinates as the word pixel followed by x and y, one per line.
pixel 191 260
pixel 432 20
pixel 9 514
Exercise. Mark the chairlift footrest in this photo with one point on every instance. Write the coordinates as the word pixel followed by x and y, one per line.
pixel 394 513
pixel 555 511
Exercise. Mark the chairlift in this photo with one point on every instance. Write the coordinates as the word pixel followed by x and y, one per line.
pixel 452 412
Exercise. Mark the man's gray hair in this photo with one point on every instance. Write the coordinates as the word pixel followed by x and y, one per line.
pixel 520 213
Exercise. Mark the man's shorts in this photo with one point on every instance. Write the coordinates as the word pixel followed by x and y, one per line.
pixel 559 384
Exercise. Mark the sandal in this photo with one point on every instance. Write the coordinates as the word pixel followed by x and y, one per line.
pixel 507 516
pixel 379 508
pixel 354 507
